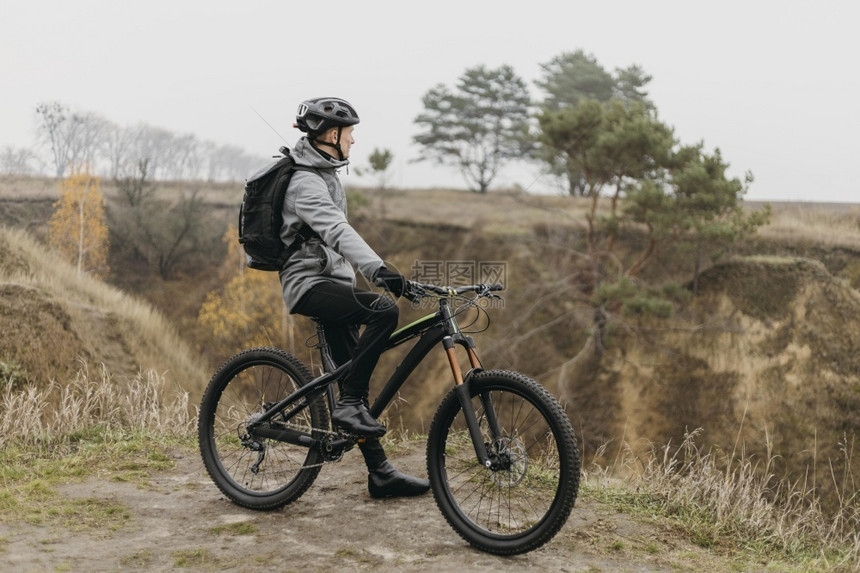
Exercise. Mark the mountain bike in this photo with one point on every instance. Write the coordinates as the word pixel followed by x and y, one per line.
pixel 502 458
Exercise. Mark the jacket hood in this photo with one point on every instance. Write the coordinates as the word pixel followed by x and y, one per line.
pixel 307 155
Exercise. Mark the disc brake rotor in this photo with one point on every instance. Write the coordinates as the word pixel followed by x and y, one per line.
pixel 516 462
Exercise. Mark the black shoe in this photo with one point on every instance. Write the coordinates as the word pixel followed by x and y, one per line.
pixel 351 414
pixel 386 481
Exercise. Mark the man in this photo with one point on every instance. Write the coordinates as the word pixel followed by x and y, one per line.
pixel 319 279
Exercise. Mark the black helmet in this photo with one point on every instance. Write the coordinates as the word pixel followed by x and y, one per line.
pixel 319 114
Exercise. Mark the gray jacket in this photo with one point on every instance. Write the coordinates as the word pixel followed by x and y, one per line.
pixel 318 199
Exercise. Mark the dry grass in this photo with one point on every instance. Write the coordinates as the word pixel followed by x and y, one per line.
pixel 25 187
pixel 149 339
pixel 735 503
pixel 57 434
pixel 823 224
pixel 502 212
pixel 47 416
pixel 732 506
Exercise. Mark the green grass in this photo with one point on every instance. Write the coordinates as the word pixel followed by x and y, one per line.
pixel 39 503
pixel 238 528
pixel 361 556
pixel 31 478
pixel 96 430
pixel 192 558
pixel 139 560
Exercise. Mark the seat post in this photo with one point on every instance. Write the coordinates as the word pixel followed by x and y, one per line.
pixel 328 364
pixel 322 344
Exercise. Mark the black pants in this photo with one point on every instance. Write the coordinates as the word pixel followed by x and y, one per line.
pixel 342 310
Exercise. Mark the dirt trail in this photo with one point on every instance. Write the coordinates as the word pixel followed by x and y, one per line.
pixel 174 519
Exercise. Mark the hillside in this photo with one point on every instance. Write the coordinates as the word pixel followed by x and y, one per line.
pixel 54 323
pixel 762 358
pixel 538 329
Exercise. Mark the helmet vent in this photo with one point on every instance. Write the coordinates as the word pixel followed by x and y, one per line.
pixel 320 114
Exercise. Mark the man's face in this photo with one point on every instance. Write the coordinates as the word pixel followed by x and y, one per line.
pixel 346 140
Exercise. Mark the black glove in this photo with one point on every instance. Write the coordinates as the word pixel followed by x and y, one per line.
pixel 390 281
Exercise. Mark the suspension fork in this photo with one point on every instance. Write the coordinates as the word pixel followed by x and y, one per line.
pixel 463 392
pixel 486 399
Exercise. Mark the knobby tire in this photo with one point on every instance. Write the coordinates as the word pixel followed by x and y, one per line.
pixel 522 504
pixel 244 386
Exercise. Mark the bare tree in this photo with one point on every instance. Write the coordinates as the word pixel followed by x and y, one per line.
pixel 53 122
pixel 209 150
pixel 229 163
pixel 180 157
pixel 154 144
pixel 163 232
pixel 17 161
pixel 182 233
pixel 136 189
pixel 118 144
pixel 74 139
pixel 190 158
pixel 86 139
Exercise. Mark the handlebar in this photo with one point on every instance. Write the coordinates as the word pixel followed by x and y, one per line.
pixel 420 290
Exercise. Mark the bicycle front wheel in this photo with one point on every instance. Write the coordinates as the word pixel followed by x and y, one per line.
pixel 525 497
pixel 254 472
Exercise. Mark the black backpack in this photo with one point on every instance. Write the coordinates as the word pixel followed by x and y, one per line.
pixel 261 217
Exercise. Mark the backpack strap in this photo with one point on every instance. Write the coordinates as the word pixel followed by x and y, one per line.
pixel 304 234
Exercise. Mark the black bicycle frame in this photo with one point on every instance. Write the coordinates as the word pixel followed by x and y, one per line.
pixel 430 331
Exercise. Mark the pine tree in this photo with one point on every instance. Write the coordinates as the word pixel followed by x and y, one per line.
pixel 479 125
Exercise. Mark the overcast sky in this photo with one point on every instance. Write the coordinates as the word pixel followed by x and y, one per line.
pixel 773 84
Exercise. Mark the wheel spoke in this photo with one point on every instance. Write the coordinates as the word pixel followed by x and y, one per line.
pixel 255 471
pixel 505 508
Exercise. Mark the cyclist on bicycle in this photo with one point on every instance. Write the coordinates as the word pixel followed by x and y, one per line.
pixel 319 280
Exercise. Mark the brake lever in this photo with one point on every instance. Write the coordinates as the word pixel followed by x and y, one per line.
pixel 487 293
pixel 413 292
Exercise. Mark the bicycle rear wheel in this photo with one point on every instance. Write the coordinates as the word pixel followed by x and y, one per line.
pixel 523 500
pixel 254 472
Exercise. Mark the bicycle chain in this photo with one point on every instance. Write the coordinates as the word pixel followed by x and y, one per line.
pixel 326 459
